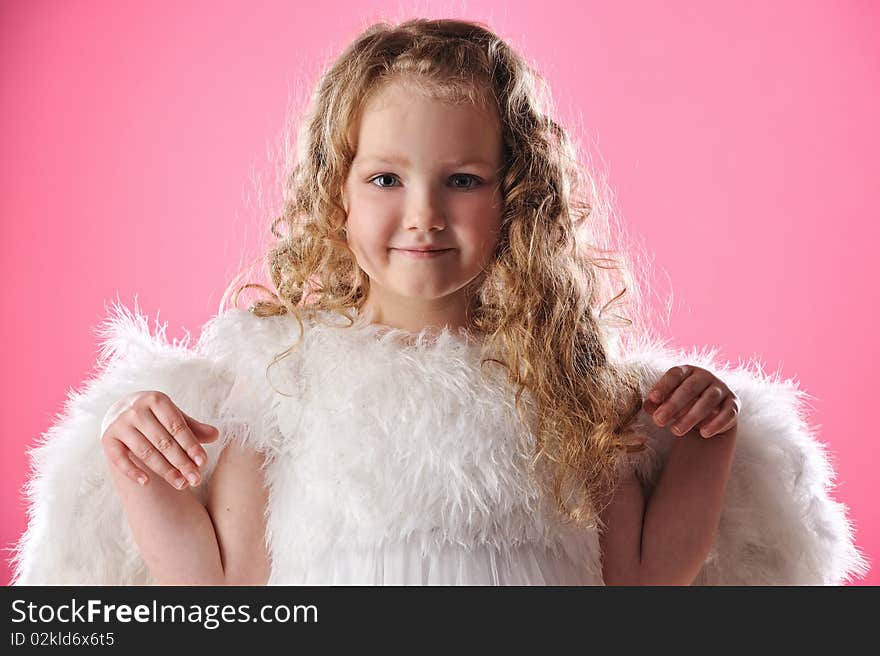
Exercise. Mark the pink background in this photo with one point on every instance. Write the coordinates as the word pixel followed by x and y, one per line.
pixel 742 142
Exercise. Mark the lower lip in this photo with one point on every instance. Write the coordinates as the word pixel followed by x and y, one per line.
pixel 422 255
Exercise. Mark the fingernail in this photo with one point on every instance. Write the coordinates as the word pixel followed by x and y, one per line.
pixel 677 430
pixel 179 483
pixel 142 480
pixel 200 460
pixel 660 417
pixel 193 479
pixel 654 396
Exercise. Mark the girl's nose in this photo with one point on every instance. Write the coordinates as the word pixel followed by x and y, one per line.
pixel 426 222
pixel 425 213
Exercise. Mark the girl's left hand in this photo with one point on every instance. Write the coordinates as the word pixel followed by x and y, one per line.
pixel 693 398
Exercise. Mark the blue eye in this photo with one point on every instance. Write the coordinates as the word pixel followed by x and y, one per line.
pixel 380 176
pixel 475 181
pixel 466 176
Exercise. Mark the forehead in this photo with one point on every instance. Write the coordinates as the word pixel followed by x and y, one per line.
pixel 399 120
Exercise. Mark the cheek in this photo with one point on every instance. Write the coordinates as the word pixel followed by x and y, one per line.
pixel 368 238
pixel 482 235
pixel 370 220
pixel 368 234
pixel 483 217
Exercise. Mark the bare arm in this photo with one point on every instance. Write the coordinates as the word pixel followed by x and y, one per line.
pixel 684 509
pixel 667 543
pixel 237 503
pixel 621 538
pixel 185 544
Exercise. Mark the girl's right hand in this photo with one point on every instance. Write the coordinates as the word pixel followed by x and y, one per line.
pixel 146 428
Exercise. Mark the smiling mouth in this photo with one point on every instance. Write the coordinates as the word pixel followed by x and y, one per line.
pixel 423 254
pixel 422 250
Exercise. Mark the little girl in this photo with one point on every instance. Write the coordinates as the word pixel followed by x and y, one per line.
pixel 434 393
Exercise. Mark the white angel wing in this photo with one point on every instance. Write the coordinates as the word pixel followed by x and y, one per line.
pixel 779 524
pixel 77 531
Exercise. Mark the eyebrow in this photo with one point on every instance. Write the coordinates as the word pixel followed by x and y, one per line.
pixel 399 159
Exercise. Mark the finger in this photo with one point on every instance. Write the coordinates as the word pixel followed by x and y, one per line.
pixel 689 390
pixel 140 469
pixel 651 408
pixel 725 419
pixel 684 410
pixel 164 433
pixel 705 422
pixel 668 382
pixel 710 398
pixel 143 447
pixel 203 433
pixel 177 423
pixel 117 454
pixel 678 414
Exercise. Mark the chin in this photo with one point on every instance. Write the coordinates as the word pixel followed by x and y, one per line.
pixel 424 294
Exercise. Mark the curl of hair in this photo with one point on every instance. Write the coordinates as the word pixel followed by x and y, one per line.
pixel 541 303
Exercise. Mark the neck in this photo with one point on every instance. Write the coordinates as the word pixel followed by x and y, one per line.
pixel 415 315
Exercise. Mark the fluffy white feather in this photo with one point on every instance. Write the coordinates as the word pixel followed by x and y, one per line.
pixel 374 443
pixel 77 532
pixel 779 524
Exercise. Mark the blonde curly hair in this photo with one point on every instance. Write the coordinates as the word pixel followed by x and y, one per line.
pixel 544 299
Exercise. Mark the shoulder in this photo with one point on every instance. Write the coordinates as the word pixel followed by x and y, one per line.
pixel 240 335
pixel 245 346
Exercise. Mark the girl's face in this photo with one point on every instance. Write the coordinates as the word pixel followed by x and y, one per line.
pixel 425 176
